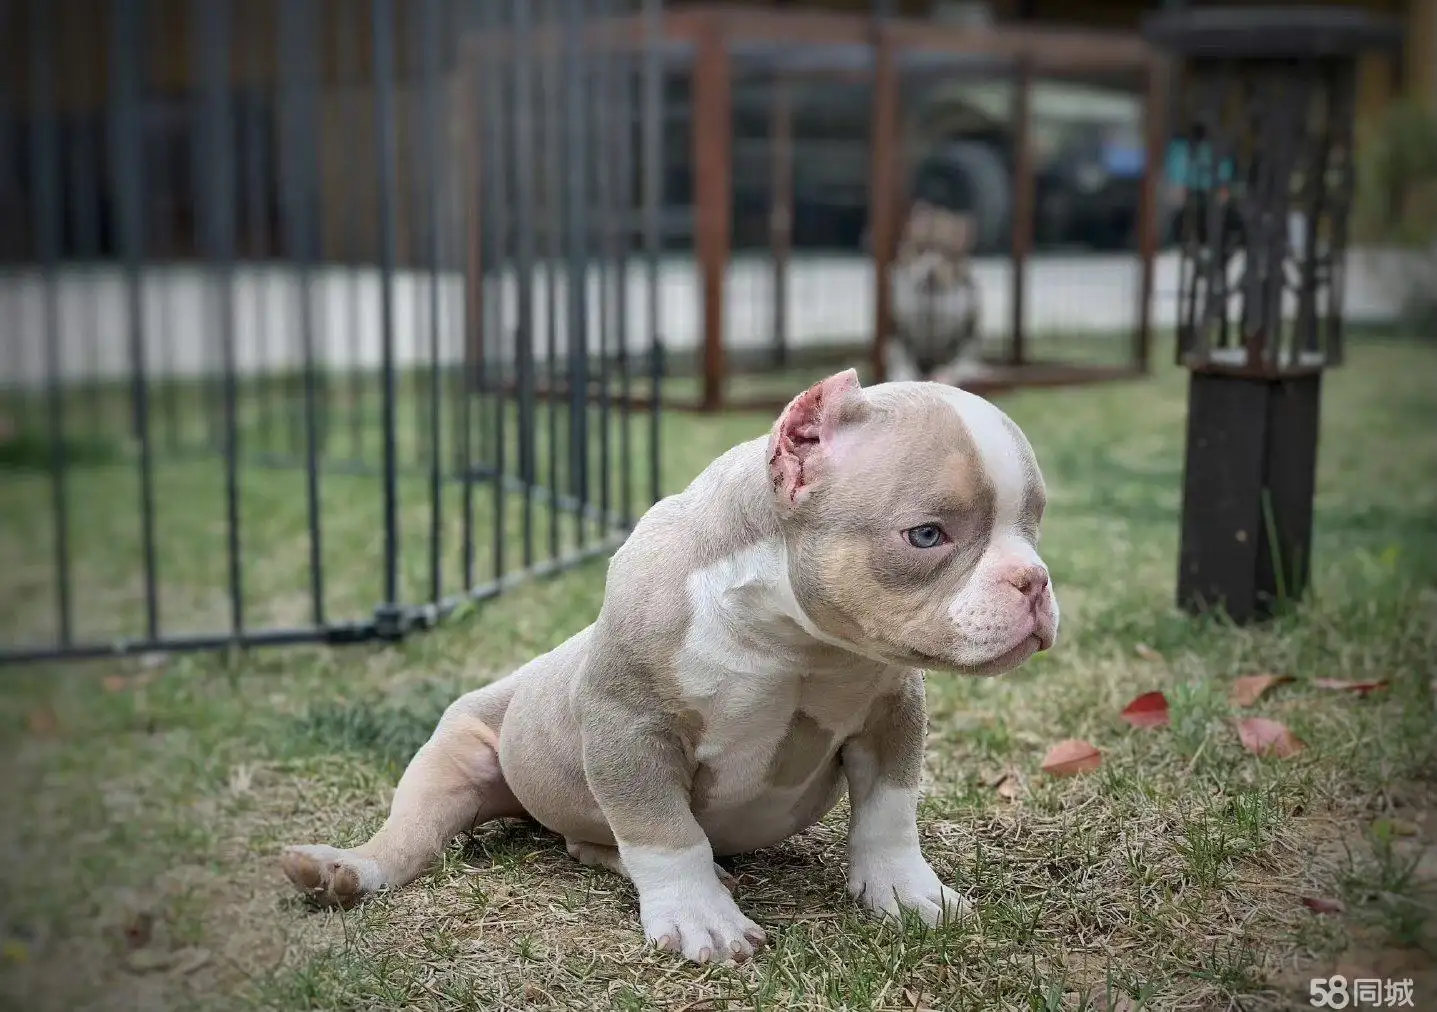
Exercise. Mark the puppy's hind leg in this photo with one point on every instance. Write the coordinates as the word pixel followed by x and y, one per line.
pixel 452 783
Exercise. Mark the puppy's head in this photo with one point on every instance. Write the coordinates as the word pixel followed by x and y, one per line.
pixel 911 513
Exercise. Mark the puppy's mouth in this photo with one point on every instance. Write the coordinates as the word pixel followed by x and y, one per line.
pixel 1001 664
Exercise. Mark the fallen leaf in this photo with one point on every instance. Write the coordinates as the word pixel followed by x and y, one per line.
pixel 115 683
pixel 1268 737
pixel 1008 786
pixel 1146 652
pixel 1148 710
pixel 1249 688
pixel 43 720
pixel 1318 905
pixel 1071 756
pixel 12 950
pixel 1338 685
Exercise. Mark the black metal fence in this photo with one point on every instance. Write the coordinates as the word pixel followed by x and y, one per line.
pixel 318 318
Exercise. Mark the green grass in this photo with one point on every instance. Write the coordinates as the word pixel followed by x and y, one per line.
pixel 1174 874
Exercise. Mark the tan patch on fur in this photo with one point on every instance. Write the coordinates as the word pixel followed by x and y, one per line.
pixel 804 746
pixel 896 730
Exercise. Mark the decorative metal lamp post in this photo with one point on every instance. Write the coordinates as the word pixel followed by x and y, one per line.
pixel 1265 132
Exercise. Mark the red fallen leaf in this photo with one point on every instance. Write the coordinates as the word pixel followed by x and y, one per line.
pixel 1071 756
pixel 1268 737
pixel 1338 685
pixel 1148 710
pixel 1249 688
pixel 1318 905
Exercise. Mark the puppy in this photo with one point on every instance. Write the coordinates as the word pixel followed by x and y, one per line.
pixel 936 310
pixel 760 650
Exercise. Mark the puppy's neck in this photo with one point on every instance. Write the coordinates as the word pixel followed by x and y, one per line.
pixel 750 583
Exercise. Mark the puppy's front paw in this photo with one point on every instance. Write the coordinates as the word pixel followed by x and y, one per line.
pixel 888 884
pixel 702 922
pixel 329 876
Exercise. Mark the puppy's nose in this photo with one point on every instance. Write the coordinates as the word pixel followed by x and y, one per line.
pixel 1030 580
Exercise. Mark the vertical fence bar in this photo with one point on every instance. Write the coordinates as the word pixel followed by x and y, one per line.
pixel 382 21
pixel 48 222
pixel 214 161
pixel 430 55
pixel 624 173
pixel 414 381
pixel 576 162
pixel 299 199
pixel 653 186
pixel 164 249
pixel 1149 222
pixel 82 178
pixel 348 70
pixel 883 190
pixel 604 200
pixel 522 54
pixel 255 199
pixel 553 250
pixel 496 151
pixel 713 191
pixel 473 292
pixel 1023 197
pixel 127 168
pixel 780 212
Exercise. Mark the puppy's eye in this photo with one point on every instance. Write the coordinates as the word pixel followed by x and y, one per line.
pixel 925 536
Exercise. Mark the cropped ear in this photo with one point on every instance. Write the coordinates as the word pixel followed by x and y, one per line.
pixel 802 441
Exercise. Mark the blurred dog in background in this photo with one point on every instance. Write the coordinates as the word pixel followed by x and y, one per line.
pixel 936 313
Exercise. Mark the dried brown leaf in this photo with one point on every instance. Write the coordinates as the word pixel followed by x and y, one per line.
pixel 1320 905
pixel 1147 653
pixel 1070 757
pixel 1268 737
pixel 1250 688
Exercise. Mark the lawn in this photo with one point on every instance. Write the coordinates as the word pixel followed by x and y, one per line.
pixel 146 801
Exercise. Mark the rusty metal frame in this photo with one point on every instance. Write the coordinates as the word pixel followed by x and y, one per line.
pixel 707 34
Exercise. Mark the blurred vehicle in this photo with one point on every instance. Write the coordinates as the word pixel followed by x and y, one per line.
pixel 1089 158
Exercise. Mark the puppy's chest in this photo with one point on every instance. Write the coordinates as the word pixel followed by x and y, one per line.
pixel 771 738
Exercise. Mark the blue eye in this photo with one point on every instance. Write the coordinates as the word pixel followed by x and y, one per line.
pixel 925 536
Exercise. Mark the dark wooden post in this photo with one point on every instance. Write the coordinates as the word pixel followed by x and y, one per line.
pixel 713 192
pixel 883 191
pixel 1268 119
pixel 1023 195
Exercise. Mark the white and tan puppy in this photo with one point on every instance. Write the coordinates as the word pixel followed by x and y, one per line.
pixel 759 650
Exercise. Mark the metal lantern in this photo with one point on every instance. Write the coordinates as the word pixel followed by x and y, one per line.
pixel 1264 151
